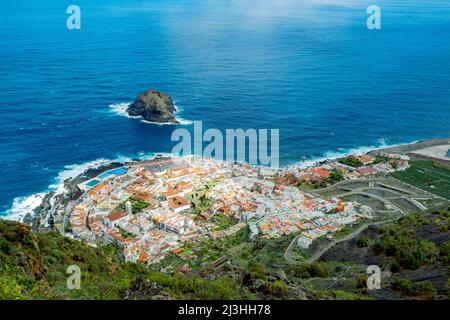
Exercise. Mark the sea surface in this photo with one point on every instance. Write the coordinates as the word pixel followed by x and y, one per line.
pixel 309 68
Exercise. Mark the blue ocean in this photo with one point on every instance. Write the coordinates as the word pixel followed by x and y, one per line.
pixel 309 68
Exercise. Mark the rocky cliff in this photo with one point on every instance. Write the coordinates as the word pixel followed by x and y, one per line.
pixel 154 106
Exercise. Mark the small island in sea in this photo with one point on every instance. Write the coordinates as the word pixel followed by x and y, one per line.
pixel 153 106
pixel 244 232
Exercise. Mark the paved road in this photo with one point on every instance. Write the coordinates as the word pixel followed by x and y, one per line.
pixel 383 182
pixel 359 191
pixel 317 255
pixel 288 252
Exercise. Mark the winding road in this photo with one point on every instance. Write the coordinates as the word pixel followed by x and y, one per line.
pixel 316 256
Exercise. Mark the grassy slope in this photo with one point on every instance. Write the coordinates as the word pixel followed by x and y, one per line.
pixel 33 266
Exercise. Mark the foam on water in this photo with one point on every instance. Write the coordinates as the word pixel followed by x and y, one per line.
pixel 21 206
pixel 24 205
pixel 121 110
pixel 320 97
pixel 331 155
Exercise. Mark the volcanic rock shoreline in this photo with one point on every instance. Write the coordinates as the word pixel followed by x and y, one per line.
pixel 52 202
pixel 56 204
pixel 154 106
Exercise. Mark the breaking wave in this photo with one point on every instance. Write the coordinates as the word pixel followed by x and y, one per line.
pixel 22 206
pixel 121 110
pixel 343 152
pixel 25 205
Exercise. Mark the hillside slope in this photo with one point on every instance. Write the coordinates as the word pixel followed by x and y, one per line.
pixel 34 266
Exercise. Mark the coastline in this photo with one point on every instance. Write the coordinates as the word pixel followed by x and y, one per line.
pixel 333 155
pixel 66 187
pixel 417 145
pixel 25 206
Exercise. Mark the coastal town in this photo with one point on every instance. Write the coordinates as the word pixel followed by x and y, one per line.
pixel 196 227
pixel 152 209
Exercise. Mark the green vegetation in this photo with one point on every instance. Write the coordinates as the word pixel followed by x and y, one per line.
pixel 420 289
pixel 300 254
pixel 209 250
pixel 363 242
pixel 332 279
pixel 171 261
pixel 417 242
pixel 351 161
pixel 395 267
pixel 311 270
pixel 269 252
pixel 68 226
pixel 125 233
pixel 278 289
pixel 136 205
pixel 223 221
pixel 312 184
pixel 200 197
pixel 202 204
pixel 335 176
pixel 180 286
pixel 337 295
pixel 399 241
pixel 428 176
pixel 33 266
pixel 345 231
pixel 380 159
pixel 361 281
pixel 202 254
pixel 444 252
pixel 257 270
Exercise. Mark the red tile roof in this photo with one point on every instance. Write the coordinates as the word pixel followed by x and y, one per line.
pixel 366 171
pixel 366 159
pixel 116 215
pixel 322 172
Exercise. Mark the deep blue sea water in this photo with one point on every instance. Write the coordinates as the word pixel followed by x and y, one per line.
pixel 310 68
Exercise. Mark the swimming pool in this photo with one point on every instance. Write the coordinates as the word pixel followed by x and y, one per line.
pixel 93 183
pixel 116 172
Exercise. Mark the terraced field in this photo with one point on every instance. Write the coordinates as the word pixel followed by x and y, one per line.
pixel 427 176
